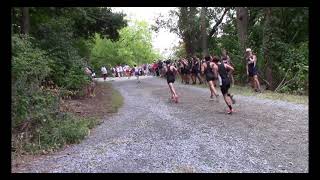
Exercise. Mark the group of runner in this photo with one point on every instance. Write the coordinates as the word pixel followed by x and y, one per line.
pixel 210 70
pixel 125 71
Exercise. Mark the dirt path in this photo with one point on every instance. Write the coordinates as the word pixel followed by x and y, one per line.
pixel 150 134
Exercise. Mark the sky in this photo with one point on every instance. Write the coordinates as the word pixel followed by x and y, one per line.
pixel 163 41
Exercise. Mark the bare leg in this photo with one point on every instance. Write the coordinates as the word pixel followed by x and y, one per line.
pixel 187 78
pixel 212 89
pixel 252 83
pixel 172 89
pixel 257 82
pixel 227 99
pixel 232 79
pixel 193 78
pixel 199 78
pixel 171 92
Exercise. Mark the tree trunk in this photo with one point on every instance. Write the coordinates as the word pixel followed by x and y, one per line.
pixel 242 26
pixel 204 35
pixel 267 39
pixel 25 21
pixel 185 21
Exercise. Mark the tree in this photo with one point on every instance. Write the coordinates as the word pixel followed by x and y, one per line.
pixel 267 44
pixel 242 25
pixel 204 35
pixel 218 22
pixel 133 47
pixel 25 20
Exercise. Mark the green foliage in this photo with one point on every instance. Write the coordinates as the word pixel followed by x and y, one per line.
pixel 30 66
pixel 49 64
pixel 58 131
pixel 284 39
pixel 133 47
pixel 89 20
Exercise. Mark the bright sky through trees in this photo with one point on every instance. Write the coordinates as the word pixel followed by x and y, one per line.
pixel 163 40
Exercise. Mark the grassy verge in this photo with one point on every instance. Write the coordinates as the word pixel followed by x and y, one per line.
pixel 69 126
pixel 247 91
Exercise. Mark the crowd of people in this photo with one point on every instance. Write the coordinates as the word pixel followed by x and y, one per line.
pixel 210 70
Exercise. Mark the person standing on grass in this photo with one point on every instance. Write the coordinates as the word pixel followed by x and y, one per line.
pixel 210 70
pixel 104 72
pixel 170 73
pixel 252 70
pixel 223 69
pixel 91 86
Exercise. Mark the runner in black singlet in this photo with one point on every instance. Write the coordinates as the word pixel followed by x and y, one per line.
pixel 170 75
pixel 210 71
pixel 225 85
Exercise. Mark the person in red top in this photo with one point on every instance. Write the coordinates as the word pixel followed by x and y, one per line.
pixel 154 67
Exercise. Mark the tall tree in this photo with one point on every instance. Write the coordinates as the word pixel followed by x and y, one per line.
pixel 218 22
pixel 242 25
pixel 267 45
pixel 187 18
pixel 25 20
pixel 204 35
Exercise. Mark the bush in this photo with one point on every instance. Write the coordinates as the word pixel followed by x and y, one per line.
pixel 36 120
pixel 55 132
pixel 30 66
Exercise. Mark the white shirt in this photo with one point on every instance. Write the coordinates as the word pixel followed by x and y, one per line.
pixel 104 70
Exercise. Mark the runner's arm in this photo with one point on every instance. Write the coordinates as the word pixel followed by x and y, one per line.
pixel 230 67
pixel 247 69
pixel 215 70
pixel 202 68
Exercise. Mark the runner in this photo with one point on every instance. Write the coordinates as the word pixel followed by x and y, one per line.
pixel 136 72
pixel 202 75
pixel 170 72
pixel 225 84
pixel 186 71
pixel 226 59
pixel 210 69
pixel 252 70
pixel 120 70
pixel 144 69
pixel 113 71
pixel 104 72
pixel 196 71
pixel 181 71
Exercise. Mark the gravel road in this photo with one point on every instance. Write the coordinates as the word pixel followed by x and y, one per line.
pixel 151 134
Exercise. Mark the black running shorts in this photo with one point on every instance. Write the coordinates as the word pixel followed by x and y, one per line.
pixel 225 86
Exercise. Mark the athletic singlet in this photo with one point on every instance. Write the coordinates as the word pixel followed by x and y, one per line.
pixel 208 70
pixel 196 67
pixel 170 74
pixel 223 72
pixel 251 65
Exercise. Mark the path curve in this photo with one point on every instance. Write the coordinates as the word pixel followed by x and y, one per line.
pixel 151 134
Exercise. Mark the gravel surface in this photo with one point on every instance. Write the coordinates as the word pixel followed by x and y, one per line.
pixel 152 134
